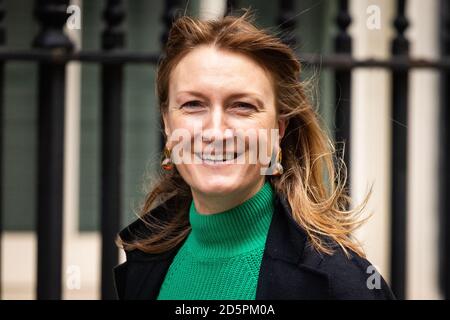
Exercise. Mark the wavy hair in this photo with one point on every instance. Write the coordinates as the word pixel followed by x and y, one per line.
pixel 314 178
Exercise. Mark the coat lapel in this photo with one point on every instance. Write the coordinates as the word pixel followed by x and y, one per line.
pixel 287 271
pixel 147 278
pixel 142 275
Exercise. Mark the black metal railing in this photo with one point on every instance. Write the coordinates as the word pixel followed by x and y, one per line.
pixel 400 47
pixel 52 50
pixel 343 82
pixel 113 39
pixel 51 90
pixel 444 208
pixel 2 73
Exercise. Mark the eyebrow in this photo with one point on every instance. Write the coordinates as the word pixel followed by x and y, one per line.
pixel 229 97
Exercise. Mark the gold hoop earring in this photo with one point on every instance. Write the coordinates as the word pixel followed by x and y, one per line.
pixel 167 163
pixel 278 167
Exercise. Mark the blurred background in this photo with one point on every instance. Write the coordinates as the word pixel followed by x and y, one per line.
pixel 80 133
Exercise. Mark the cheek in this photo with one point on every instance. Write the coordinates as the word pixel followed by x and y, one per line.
pixel 182 130
pixel 268 134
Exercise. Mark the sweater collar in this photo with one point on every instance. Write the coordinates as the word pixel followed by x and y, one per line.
pixel 235 231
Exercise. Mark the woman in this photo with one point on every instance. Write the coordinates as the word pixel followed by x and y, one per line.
pixel 221 226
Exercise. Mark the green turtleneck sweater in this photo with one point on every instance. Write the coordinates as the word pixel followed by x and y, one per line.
pixel 222 254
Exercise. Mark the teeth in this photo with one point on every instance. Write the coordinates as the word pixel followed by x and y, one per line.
pixel 219 157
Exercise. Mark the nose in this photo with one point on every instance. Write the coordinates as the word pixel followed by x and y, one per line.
pixel 216 127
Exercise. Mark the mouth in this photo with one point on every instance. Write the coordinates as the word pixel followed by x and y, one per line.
pixel 223 158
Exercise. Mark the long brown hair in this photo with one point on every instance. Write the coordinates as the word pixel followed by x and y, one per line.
pixel 314 178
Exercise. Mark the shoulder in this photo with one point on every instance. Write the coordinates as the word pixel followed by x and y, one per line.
pixel 349 277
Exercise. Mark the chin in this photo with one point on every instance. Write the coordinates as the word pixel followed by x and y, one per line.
pixel 218 185
pixel 219 181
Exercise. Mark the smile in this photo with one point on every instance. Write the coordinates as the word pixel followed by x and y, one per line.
pixel 225 158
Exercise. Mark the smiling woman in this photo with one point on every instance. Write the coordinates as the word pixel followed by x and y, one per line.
pixel 216 228
pixel 221 76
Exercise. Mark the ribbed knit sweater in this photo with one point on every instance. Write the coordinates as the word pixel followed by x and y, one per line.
pixel 222 254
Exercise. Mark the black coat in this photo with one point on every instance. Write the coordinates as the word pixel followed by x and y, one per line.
pixel 290 268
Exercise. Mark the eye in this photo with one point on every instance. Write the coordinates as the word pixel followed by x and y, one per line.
pixel 245 106
pixel 191 104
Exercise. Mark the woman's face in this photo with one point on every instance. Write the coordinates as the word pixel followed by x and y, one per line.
pixel 213 95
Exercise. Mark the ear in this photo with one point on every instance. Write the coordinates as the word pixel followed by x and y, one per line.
pixel 282 125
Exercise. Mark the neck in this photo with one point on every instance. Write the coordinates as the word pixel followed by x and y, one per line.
pixel 211 204
pixel 234 231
